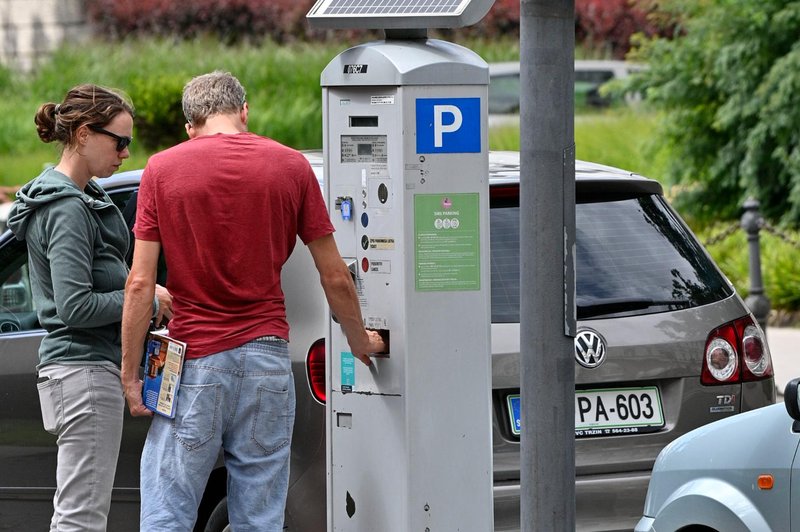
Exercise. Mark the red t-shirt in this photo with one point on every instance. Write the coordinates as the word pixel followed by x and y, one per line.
pixel 227 210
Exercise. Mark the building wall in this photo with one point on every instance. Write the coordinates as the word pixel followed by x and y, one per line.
pixel 31 29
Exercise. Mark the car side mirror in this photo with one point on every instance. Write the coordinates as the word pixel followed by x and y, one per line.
pixel 790 398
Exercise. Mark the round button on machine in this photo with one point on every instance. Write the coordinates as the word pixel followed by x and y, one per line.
pixel 364 219
pixel 365 242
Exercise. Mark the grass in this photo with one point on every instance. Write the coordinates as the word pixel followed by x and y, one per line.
pixel 619 137
pixel 282 82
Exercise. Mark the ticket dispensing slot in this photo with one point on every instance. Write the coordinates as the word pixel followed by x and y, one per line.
pixel 363 121
pixel 352 267
pixel 385 337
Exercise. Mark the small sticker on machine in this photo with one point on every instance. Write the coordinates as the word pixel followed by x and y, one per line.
pixel 381 100
pixel 376 322
pixel 380 266
pixel 381 243
pixel 348 371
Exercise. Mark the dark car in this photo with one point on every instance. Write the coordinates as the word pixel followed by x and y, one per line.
pixel 590 75
pixel 664 345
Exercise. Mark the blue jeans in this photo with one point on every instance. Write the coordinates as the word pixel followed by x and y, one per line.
pixel 241 401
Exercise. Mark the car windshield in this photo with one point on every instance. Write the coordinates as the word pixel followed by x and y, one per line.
pixel 634 256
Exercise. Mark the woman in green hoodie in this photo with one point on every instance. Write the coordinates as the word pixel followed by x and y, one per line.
pixel 77 240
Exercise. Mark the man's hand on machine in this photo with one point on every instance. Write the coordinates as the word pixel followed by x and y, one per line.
pixel 374 346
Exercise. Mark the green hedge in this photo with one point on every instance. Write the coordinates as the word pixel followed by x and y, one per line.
pixel 779 259
pixel 282 83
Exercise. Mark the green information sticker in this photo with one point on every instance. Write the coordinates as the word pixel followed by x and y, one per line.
pixel 447 242
pixel 348 371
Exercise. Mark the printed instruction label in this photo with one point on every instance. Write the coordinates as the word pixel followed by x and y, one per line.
pixel 348 371
pixel 447 242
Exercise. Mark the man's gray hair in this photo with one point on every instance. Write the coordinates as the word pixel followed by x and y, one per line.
pixel 211 94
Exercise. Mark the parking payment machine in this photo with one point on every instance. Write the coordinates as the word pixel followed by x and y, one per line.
pixel 406 179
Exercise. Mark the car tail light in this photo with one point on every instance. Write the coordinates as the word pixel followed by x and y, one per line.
pixel 757 358
pixel 736 352
pixel 501 192
pixel 315 370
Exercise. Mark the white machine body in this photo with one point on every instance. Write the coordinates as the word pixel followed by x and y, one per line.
pixel 407 185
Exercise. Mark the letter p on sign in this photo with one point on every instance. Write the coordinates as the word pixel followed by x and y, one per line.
pixel 448 125
pixel 439 111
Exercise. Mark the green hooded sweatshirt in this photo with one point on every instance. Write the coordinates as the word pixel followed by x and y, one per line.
pixel 77 242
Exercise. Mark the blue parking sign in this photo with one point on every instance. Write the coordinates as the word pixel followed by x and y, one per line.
pixel 448 125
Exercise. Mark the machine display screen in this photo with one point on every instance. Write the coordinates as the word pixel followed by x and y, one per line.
pixel 364 149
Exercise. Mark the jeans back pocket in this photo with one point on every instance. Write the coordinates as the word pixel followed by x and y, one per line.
pixel 272 426
pixel 197 414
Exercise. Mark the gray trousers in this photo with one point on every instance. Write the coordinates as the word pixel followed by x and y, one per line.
pixel 83 405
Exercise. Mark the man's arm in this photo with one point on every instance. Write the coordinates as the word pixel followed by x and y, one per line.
pixel 137 310
pixel 341 294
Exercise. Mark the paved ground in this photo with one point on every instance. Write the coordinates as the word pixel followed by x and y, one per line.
pixel 784 345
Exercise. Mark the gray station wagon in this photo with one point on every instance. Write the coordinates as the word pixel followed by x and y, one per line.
pixel 664 346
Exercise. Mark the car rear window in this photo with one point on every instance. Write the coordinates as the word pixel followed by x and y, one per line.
pixel 634 256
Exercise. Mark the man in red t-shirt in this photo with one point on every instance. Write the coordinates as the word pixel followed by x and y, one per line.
pixel 226 207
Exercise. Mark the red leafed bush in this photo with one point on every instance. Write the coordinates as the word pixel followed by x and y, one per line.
pixel 502 19
pixel 230 20
pixel 607 25
pixel 602 25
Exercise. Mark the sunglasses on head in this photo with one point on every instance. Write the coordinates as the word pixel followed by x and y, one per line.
pixel 122 142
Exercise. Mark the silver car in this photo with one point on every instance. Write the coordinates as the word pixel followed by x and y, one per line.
pixel 664 346
pixel 738 474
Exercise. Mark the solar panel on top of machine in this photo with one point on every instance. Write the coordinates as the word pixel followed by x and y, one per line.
pixel 390 7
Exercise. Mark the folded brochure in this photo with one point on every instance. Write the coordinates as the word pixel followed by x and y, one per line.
pixel 162 372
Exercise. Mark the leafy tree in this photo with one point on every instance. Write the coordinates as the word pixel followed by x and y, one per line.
pixel 728 84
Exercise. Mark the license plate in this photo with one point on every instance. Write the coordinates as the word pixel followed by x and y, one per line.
pixel 607 412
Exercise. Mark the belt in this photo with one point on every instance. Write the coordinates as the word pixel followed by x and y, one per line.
pixel 270 338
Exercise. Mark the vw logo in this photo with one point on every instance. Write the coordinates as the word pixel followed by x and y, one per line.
pixel 590 348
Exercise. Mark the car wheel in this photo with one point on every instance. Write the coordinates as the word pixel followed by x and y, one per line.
pixel 218 520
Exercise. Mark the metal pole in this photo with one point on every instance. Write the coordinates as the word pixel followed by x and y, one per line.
pixel 547 233
pixel 757 301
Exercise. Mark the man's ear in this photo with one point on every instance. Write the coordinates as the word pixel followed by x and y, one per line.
pixel 245 113
pixel 190 131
